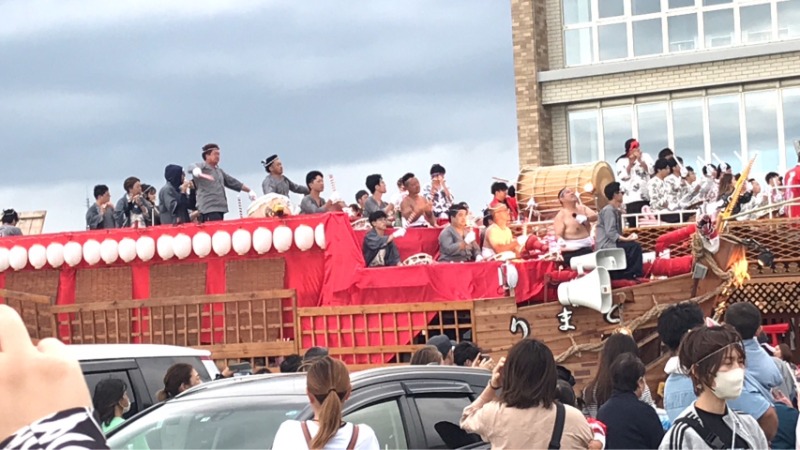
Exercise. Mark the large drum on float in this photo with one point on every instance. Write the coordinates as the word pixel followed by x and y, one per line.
pixel 270 205
pixel 544 183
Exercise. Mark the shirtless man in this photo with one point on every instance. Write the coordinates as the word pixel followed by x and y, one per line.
pixel 415 209
pixel 573 226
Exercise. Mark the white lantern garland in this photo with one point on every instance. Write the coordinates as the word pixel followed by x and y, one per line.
pixel 182 246
pixel 146 248
pixel 4 264
pixel 91 252
pixel 201 244
pixel 242 241
pixel 55 255
pixel 221 243
pixel 109 251
pixel 73 253
pixel 319 236
pixel 164 247
pixel 282 238
pixel 18 257
pixel 37 255
pixel 304 237
pixel 127 250
pixel 262 240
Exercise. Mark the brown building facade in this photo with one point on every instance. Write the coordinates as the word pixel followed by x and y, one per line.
pixel 715 80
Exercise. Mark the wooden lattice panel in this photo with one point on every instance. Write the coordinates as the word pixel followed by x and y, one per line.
pixel 102 285
pixel 376 335
pixel 780 236
pixel 255 275
pixel 168 280
pixel 772 297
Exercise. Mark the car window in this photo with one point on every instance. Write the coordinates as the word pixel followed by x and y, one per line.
pixel 385 420
pixel 92 379
pixel 154 369
pixel 440 417
pixel 241 422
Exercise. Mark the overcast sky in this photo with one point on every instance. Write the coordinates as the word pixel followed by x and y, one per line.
pixel 93 91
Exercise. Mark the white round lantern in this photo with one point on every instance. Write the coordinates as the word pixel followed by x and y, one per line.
pixel 282 238
pixel 73 254
pixel 221 243
pixel 242 240
pixel 18 257
pixel 55 255
pixel 182 246
pixel 146 248
pixel 304 237
pixel 37 255
pixel 91 252
pixel 319 236
pixel 109 251
pixel 201 244
pixel 4 259
pixel 164 247
pixel 127 249
pixel 262 240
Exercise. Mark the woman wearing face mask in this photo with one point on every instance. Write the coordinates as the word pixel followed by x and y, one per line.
pixel 713 356
pixel 110 403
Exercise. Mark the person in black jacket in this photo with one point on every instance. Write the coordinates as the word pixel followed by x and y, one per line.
pixel 630 422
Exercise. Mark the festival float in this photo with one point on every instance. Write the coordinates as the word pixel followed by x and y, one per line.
pixel 273 284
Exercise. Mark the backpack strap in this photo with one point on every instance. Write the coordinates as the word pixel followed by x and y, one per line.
pixel 558 428
pixel 353 439
pixel 306 433
pixel 708 436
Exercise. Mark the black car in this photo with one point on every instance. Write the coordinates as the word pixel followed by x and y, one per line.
pixel 407 407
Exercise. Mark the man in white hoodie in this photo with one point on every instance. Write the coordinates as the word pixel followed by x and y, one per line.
pixel 673 324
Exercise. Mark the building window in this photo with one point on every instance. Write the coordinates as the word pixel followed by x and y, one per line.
pixel 702 129
pixel 583 136
pixel 597 31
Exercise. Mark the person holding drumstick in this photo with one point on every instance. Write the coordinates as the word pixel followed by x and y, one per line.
pixel 276 182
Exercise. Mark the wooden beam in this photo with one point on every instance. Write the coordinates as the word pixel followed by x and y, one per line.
pixel 275 294
pixel 28 297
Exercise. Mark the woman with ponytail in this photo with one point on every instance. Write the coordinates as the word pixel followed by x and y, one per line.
pixel 327 387
pixel 179 377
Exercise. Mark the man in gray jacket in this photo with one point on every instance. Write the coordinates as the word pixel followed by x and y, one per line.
pixel 276 182
pixel 457 243
pixel 211 182
pixel 608 234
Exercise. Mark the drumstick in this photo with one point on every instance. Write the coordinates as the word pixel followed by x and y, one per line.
pixel 239 201
pixel 333 182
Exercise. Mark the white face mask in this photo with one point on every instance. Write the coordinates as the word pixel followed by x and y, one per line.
pixel 728 385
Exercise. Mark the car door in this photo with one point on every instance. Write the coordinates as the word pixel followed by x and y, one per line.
pixel 436 407
pixel 383 408
pixel 125 370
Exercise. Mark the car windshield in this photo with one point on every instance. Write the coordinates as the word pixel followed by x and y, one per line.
pixel 237 422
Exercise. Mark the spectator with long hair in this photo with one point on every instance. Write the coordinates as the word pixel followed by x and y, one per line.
pixel 179 377
pixel 599 390
pixel 518 408
pixel 715 359
pixel 328 387
pixel 428 355
pixel 110 403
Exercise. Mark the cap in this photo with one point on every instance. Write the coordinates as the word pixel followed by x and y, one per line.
pixel 442 343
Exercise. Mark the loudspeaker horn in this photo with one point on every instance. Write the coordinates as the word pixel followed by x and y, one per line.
pixel 607 258
pixel 592 291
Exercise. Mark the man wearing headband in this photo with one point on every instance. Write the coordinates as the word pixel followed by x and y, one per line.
pixel 573 227
pixel 276 182
pixel 9 226
pixel 457 243
pixel 211 182
pixel 633 173
pixel 438 193
pixel 792 182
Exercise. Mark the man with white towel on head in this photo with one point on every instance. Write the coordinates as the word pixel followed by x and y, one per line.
pixel 276 182
pixel 211 182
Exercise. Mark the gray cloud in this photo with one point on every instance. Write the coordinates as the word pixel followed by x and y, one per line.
pixel 133 86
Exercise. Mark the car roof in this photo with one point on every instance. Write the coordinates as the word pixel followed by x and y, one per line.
pixel 94 352
pixel 295 383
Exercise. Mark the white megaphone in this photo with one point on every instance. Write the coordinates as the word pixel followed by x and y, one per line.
pixel 592 290
pixel 607 258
